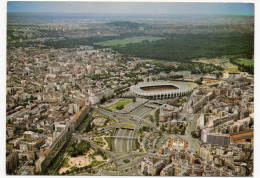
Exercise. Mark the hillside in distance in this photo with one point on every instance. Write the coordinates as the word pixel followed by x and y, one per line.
pixel 178 37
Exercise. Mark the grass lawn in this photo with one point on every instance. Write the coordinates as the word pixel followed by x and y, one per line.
pixel 247 62
pixel 65 163
pixel 232 68
pixel 125 41
pixel 99 141
pixel 143 124
pixel 120 102
pixel 96 163
pixel 109 142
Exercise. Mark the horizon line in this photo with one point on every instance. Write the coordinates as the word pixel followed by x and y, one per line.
pixel 131 13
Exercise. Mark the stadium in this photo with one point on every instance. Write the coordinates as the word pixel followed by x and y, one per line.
pixel 160 89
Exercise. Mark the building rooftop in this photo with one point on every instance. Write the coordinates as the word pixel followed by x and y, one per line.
pixel 244 131
pixel 46 151
pixel 78 114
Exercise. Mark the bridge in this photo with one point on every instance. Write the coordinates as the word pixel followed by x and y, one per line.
pixel 123 137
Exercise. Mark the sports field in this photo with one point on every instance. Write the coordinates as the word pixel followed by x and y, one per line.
pixel 123 42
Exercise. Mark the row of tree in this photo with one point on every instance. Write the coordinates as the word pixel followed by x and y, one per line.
pixel 79 149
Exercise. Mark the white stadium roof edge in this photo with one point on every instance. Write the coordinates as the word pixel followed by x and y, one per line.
pixel 183 88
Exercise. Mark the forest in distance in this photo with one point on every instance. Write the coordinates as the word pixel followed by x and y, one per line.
pixel 167 41
pixel 175 47
pixel 185 47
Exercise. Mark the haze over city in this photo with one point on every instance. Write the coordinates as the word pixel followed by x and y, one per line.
pixel 132 7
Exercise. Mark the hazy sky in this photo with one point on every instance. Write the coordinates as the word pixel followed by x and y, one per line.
pixel 130 7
